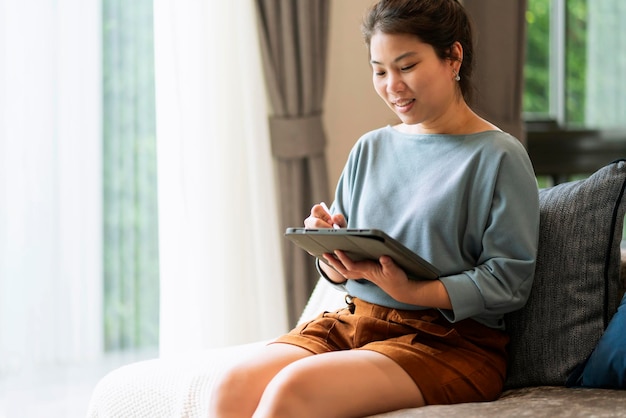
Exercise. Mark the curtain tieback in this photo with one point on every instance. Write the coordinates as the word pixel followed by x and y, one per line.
pixel 297 137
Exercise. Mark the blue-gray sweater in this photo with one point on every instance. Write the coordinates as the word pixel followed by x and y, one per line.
pixel 466 203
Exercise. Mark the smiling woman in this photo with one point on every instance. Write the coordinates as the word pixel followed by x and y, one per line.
pixel 382 342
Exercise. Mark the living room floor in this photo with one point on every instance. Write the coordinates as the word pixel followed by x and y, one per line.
pixel 58 392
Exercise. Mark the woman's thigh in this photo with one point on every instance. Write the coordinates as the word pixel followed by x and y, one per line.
pixel 339 384
pixel 238 391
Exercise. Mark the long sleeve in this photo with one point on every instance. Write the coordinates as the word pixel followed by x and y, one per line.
pixel 467 204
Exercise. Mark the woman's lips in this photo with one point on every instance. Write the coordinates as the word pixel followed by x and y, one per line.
pixel 403 105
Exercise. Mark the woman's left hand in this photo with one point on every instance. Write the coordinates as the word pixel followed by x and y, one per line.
pixel 385 273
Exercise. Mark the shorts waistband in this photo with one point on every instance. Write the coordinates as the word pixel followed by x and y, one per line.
pixel 361 307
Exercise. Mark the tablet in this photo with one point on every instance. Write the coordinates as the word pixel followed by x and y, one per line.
pixel 361 244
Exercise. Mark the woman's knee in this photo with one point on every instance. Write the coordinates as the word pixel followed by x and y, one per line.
pixel 290 393
pixel 242 386
pixel 231 395
pixel 228 381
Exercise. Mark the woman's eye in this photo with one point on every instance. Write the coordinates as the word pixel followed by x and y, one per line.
pixel 408 67
pixel 379 73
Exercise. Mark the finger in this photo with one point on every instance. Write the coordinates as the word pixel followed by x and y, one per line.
pixel 318 219
pixel 325 215
pixel 340 220
pixel 345 260
pixel 320 212
pixel 335 263
pixel 389 267
pixel 351 268
pixel 387 264
pixel 313 222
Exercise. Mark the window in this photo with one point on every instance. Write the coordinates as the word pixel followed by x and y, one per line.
pixel 574 93
pixel 130 260
pixel 574 66
pixel 77 197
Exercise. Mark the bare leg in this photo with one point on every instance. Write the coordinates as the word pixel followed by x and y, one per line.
pixel 351 383
pixel 238 392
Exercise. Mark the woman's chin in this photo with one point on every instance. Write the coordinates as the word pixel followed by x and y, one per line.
pixel 407 120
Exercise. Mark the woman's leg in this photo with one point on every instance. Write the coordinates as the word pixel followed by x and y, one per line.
pixel 238 391
pixel 348 383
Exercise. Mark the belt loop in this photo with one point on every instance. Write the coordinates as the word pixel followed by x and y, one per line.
pixel 350 302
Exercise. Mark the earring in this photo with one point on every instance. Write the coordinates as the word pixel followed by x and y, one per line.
pixel 457 77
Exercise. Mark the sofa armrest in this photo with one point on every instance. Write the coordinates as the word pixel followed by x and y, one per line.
pixel 168 387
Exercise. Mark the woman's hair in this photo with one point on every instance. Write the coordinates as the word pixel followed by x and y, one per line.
pixel 439 23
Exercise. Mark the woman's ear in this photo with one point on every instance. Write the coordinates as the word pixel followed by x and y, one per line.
pixel 456 54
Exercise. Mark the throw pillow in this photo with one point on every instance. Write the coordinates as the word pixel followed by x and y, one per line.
pixel 606 366
pixel 577 286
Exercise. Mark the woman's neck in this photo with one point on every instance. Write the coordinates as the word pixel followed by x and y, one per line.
pixel 458 121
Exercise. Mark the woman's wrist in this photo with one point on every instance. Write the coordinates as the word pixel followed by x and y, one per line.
pixel 325 275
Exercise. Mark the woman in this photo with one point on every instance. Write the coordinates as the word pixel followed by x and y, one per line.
pixel 449 185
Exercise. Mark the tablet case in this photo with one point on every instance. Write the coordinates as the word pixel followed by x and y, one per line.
pixel 360 244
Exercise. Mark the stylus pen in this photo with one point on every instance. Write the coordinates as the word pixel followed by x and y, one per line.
pixel 322 204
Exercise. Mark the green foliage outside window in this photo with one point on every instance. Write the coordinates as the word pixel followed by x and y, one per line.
pixel 131 274
pixel 537 66
pixel 575 61
pixel 537 71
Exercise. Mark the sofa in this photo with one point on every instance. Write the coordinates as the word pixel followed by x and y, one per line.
pixel 578 287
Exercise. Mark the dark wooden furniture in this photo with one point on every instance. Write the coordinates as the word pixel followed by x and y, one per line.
pixel 562 153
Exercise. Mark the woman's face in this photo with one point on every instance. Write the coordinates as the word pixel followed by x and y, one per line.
pixel 409 76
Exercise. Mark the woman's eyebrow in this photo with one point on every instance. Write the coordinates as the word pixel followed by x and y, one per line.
pixel 401 57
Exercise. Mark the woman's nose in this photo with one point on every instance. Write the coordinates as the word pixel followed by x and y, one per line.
pixel 395 83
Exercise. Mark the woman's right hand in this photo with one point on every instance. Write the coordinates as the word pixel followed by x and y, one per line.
pixel 321 218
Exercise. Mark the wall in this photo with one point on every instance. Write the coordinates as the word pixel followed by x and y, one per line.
pixel 351 106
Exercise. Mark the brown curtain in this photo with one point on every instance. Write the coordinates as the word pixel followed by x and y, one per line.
pixel 500 38
pixel 294 37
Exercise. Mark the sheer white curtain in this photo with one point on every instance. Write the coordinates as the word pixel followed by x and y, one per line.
pixel 605 104
pixel 50 183
pixel 220 261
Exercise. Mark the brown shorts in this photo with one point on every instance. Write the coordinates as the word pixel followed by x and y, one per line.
pixel 450 363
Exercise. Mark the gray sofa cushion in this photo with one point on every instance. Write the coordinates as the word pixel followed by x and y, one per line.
pixel 535 402
pixel 577 286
